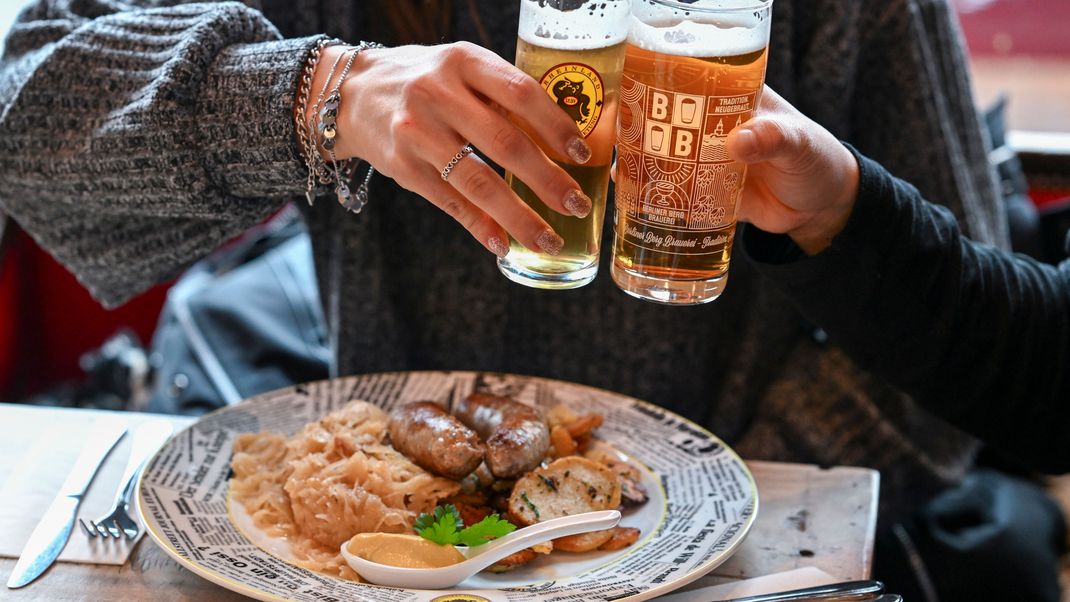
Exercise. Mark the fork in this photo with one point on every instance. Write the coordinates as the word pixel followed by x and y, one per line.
pixel 147 439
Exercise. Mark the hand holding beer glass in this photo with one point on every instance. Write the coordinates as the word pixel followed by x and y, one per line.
pixel 574 49
pixel 693 72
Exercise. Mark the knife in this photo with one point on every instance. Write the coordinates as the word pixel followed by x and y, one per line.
pixel 51 533
pixel 846 591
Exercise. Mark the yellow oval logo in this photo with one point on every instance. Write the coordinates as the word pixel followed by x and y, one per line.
pixel 577 89
pixel 460 598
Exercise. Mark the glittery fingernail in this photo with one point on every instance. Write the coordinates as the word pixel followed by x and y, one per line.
pixel 550 242
pixel 498 246
pixel 577 203
pixel 578 150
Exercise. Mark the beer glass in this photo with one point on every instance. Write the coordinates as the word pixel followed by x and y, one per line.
pixel 575 50
pixel 692 73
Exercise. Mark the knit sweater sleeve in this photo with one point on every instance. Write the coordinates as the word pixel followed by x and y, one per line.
pixel 974 334
pixel 913 111
pixel 901 68
pixel 134 140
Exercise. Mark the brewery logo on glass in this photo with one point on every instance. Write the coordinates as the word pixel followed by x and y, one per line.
pixel 679 180
pixel 578 90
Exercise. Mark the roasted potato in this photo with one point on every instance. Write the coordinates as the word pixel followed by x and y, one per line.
pixel 471 514
pixel 512 561
pixel 560 415
pixel 562 443
pixel 632 488
pixel 584 542
pixel 584 425
pixel 622 537
pixel 632 492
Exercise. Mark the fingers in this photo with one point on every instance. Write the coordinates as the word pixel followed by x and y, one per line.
pixel 767 138
pixel 473 180
pixel 762 208
pixel 511 148
pixel 517 92
pixel 485 189
pixel 782 135
pixel 420 145
pixel 768 135
pixel 481 226
pixel 802 180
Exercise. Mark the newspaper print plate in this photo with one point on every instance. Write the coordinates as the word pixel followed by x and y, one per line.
pixel 703 498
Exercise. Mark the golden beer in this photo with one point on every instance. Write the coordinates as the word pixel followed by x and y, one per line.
pixel 581 74
pixel 677 191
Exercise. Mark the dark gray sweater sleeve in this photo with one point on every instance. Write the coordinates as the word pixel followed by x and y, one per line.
pixel 973 333
pixel 134 140
pixel 901 67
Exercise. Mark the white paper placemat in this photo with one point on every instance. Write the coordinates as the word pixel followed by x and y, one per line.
pixel 35 463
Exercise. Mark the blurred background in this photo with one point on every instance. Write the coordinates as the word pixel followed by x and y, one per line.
pixel 1021 48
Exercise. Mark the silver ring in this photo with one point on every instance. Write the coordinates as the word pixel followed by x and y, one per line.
pixel 461 154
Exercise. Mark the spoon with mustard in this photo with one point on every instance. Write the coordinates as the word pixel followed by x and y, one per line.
pixel 453 565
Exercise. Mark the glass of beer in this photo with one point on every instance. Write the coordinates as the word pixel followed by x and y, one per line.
pixel 575 50
pixel 692 72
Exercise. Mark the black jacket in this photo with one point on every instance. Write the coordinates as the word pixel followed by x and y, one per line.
pixel 975 334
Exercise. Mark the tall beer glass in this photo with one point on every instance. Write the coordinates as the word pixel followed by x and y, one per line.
pixel 693 72
pixel 575 50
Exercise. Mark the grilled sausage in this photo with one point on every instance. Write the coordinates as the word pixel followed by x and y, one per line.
pixel 436 441
pixel 516 434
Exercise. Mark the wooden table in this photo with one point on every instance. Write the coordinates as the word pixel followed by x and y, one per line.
pixel 809 517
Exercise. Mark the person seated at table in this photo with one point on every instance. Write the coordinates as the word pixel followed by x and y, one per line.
pixel 974 333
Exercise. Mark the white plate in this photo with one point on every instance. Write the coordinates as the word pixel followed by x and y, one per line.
pixel 702 503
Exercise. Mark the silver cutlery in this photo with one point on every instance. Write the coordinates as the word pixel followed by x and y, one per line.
pixel 51 533
pixel 148 438
pixel 849 591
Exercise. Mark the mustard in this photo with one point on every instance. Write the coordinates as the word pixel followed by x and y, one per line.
pixel 401 550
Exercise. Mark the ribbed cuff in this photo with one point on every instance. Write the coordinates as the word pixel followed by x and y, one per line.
pixel 838 270
pixel 246 113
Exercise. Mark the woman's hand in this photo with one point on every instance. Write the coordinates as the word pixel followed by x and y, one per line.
pixel 801 182
pixel 409 110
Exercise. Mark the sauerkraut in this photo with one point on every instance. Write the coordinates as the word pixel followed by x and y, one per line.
pixel 338 477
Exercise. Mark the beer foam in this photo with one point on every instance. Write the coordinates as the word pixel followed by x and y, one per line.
pixel 693 33
pixel 592 25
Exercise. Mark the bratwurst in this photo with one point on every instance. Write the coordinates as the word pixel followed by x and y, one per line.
pixel 436 441
pixel 516 434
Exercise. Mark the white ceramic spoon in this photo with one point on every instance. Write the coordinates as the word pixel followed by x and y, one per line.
pixel 480 557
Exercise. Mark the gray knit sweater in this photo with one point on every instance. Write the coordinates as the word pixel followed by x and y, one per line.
pixel 136 136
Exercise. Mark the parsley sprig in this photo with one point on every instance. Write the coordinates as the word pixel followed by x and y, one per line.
pixel 445 527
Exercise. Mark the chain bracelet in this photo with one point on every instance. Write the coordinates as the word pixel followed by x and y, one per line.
pixel 326 177
pixel 328 130
pixel 317 127
pixel 313 161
